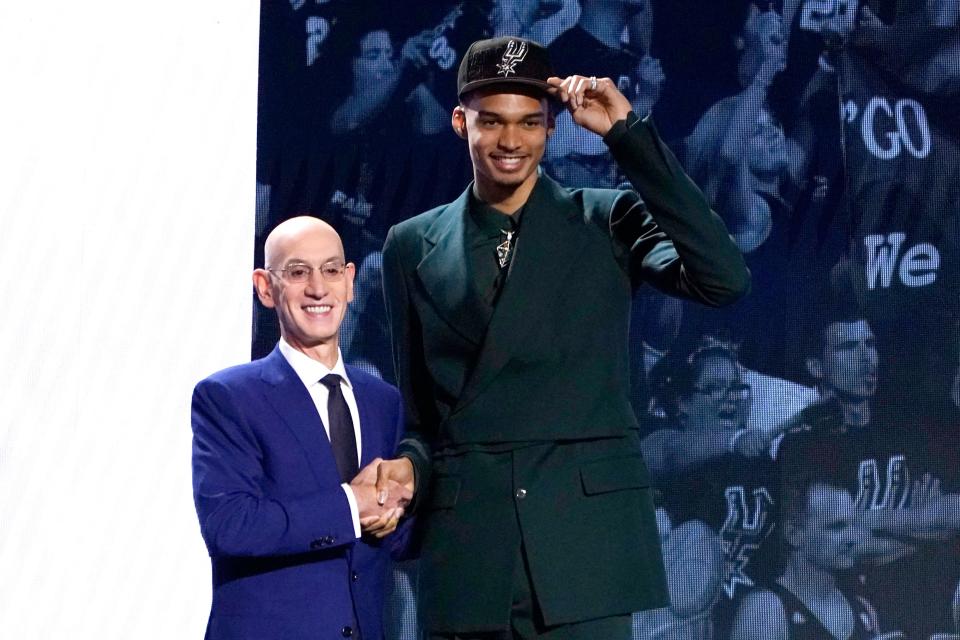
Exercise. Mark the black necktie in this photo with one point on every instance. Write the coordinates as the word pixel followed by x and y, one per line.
pixel 342 438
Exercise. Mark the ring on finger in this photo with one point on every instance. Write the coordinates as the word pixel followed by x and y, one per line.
pixel 593 83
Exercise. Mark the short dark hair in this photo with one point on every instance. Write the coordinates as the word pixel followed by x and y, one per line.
pixel 797 484
pixel 836 301
pixel 822 316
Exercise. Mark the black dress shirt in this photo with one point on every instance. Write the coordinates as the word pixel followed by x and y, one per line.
pixel 487 230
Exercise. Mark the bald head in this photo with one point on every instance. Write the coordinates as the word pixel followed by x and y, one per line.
pixel 308 283
pixel 288 234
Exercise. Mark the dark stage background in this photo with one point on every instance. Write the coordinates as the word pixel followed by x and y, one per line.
pixel 825 133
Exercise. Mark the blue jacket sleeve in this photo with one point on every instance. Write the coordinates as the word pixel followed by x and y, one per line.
pixel 241 513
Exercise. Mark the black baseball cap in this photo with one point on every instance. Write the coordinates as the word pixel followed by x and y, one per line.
pixel 504 61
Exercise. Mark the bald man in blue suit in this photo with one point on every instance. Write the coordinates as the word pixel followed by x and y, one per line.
pixel 285 453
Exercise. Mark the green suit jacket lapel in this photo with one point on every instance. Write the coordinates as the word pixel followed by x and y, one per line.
pixel 549 245
pixel 444 271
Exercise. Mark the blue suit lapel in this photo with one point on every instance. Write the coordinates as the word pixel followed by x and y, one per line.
pixel 291 401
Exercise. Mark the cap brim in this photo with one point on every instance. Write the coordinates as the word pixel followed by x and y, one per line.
pixel 505 82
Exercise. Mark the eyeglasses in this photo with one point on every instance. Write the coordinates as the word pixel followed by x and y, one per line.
pixel 302 272
pixel 738 391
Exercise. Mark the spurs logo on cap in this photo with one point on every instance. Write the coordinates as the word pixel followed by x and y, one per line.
pixel 488 63
pixel 515 53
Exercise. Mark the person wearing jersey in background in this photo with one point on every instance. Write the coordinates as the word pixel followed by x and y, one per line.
pixel 713 473
pixel 905 512
pixel 806 601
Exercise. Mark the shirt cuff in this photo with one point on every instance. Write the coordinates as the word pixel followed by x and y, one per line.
pixel 354 511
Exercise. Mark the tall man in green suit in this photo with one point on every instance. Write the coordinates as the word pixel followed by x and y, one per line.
pixel 509 310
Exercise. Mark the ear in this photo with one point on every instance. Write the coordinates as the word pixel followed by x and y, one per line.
pixel 551 122
pixel 815 368
pixel 350 272
pixel 458 120
pixel 262 285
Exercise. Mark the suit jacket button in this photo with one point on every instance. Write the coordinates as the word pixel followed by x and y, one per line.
pixel 521 494
pixel 354 576
pixel 346 632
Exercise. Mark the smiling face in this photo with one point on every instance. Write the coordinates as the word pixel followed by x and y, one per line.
pixel 507 134
pixel 309 312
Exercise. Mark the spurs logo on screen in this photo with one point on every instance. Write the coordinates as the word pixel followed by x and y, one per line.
pixel 748 523
pixel 891 127
pixel 914 265
pixel 890 492
pixel 515 53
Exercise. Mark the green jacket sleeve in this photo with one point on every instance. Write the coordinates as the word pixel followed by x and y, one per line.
pixel 677 243
pixel 410 371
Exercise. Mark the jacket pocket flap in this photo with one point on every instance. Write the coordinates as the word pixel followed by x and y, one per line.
pixel 614 474
pixel 444 493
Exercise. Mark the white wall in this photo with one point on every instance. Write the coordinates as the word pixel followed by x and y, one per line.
pixel 127 143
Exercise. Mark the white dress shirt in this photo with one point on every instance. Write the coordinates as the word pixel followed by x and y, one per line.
pixel 310 372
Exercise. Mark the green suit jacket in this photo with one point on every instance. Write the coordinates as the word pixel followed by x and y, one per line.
pixel 522 430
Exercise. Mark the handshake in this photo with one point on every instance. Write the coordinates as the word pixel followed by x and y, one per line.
pixel 382 490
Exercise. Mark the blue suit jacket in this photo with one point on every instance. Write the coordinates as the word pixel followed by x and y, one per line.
pixel 286 563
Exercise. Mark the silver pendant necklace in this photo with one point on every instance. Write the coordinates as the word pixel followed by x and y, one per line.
pixel 505 248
